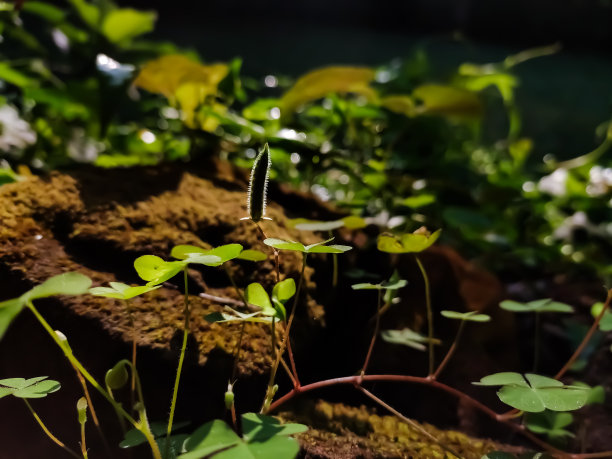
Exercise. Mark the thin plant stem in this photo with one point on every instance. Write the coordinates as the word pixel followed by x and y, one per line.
pixel 408 421
pixel 94 416
pixel 429 315
pixel 451 351
pixel 374 335
pixel 237 351
pixel 289 373
pixel 238 292
pixel 119 416
pixel 180 364
pixel 276 254
pixel 83 441
pixel 279 354
pixel 586 338
pixel 76 363
pixel 134 336
pixel 334 264
pixel 47 432
pixel 536 341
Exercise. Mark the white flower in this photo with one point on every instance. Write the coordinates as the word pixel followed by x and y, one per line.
pixel 15 133
pixel 83 149
pixel 555 183
pixel 600 181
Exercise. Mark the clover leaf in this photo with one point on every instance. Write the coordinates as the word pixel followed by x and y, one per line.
pixel 70 283
pixel 194 254
pixel 406 337
pixel 122 291
pixel 391 285
pixel 257 295
pixel 37 387
pixel 471 316
pixel 544 305
pixel 534 393
pixel 263 437
pixel 155 270
pixel 350 222
pixel 415 242
pixel 252 255
pixel 318 247
pixel 549 423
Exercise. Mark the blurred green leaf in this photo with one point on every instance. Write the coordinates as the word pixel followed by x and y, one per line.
pixel 407 242
pixel 122 25
pixel 319 83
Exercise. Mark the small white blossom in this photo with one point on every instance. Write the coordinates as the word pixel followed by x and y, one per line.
pixel 82 148
pixel 15 133
pixel 555 183
pixel 600 181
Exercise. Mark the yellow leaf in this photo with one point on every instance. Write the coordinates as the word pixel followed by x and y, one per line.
pixel 448 101
pixel 167 74
pixel 319 83
pixel 404 105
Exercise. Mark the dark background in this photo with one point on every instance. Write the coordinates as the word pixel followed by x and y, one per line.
pixel 563 98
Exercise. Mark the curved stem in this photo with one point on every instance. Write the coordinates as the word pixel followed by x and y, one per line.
pixel 429 315
pixel 47 432
pixel 134 335
pixel 376 329
pixel 586 338
pixel 83 441
pixel 269 392
pixel 450 352
pixel 180 364
pixel 94 416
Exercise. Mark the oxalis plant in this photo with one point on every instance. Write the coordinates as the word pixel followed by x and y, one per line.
pixel 540 406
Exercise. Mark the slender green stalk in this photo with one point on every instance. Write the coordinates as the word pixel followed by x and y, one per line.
pixel 117 412
pixel 94 416
pixel 134 335
pixel 281 351
pixel 47 432
pixel 76 363
pixel 83 441
pixel 450 352
pixel 180 364
pixel 376 329
pixel 429 315
pixel 334 264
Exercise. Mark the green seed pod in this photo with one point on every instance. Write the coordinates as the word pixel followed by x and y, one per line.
pixel 229 396
pixel 117 376
pixel 258 185
pixel 82 410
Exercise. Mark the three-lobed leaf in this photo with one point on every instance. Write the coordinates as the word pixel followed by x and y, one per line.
pixel 318 247
pixel 543 305
pixel 70 283
pixel 37 387
pixel 407 337
pixel 407 243
pixel 155 270
pixel 391 285
pixel 263 437
pixel 122 291
pixel 535 393
pixel 471 316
